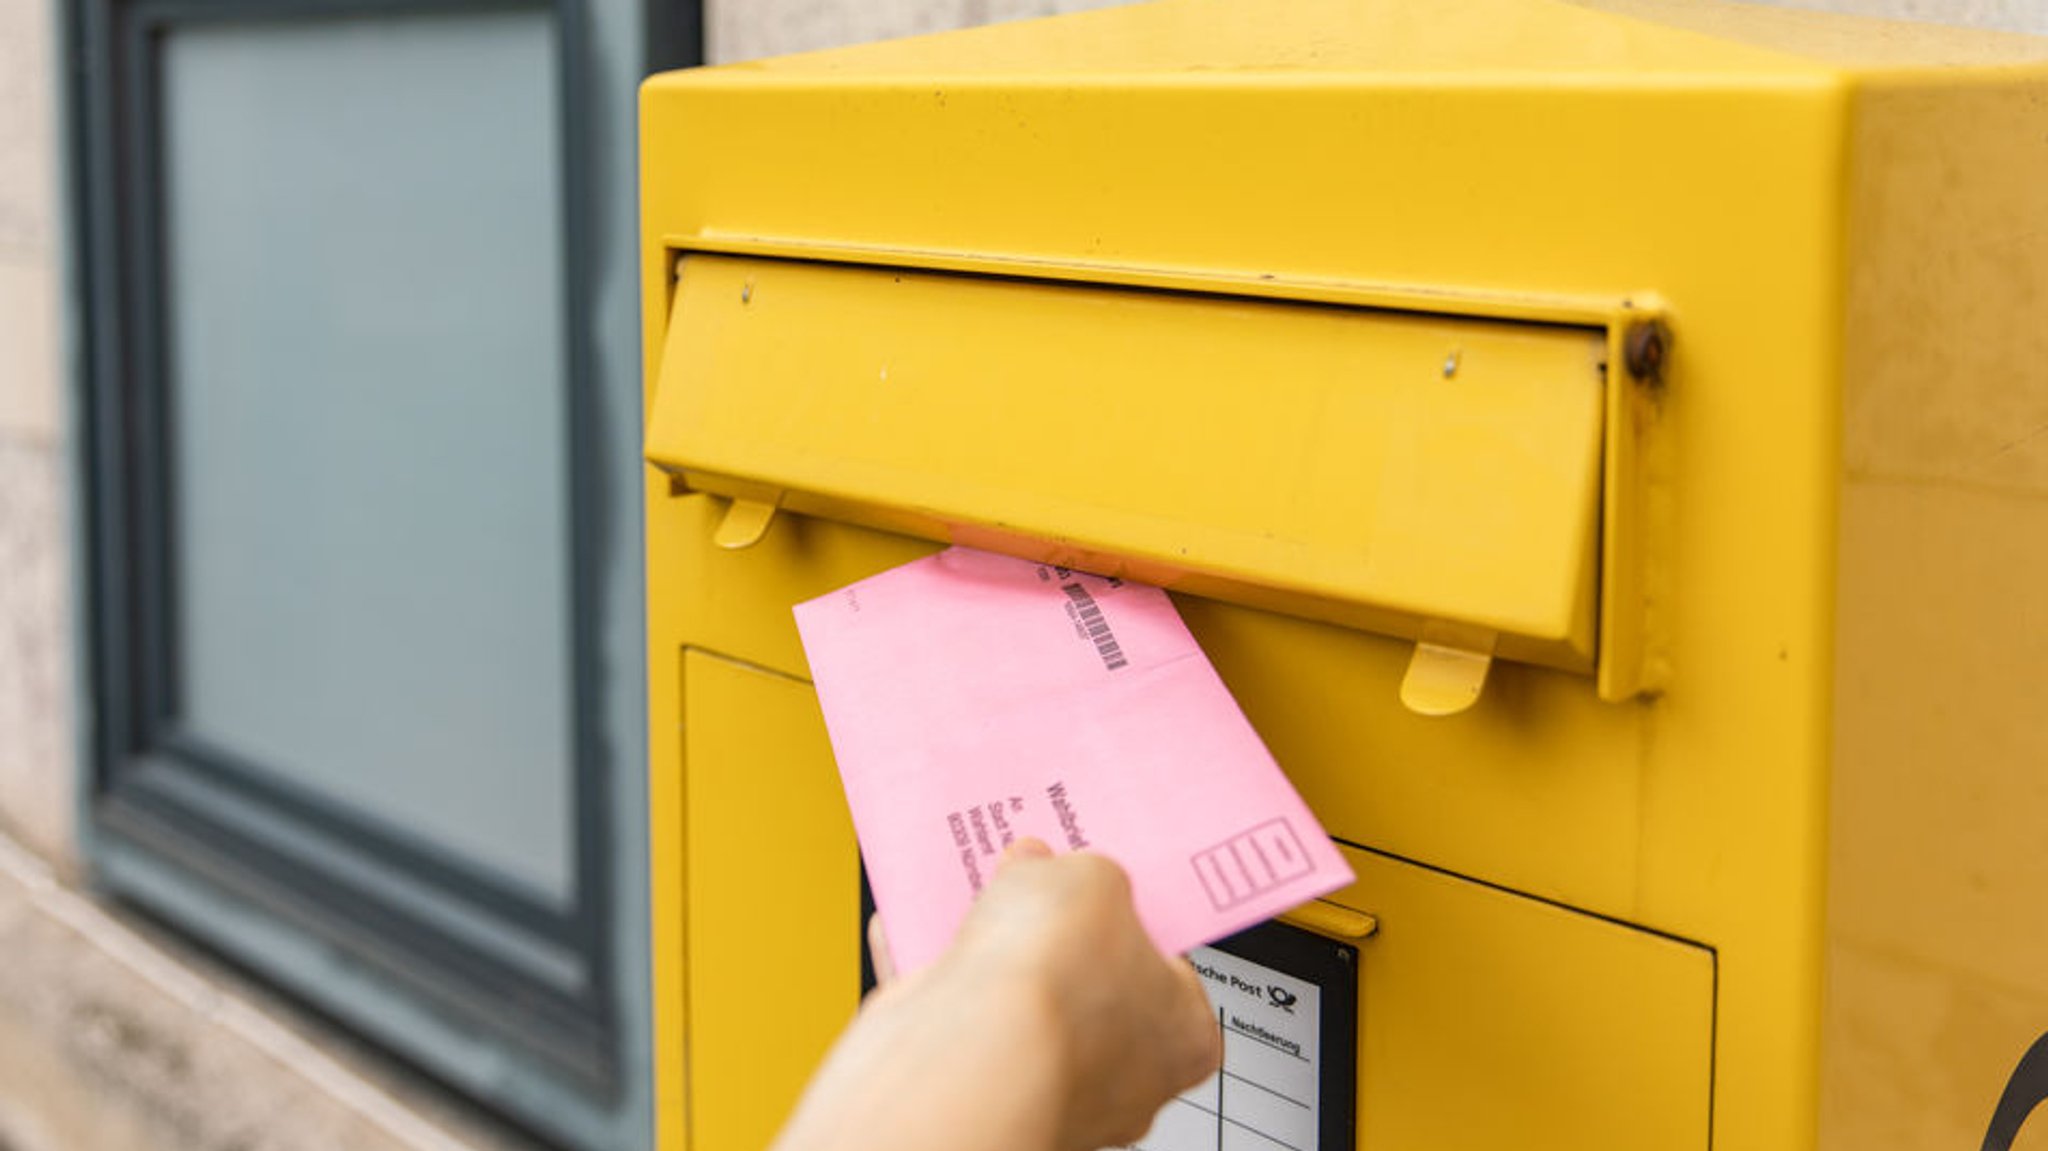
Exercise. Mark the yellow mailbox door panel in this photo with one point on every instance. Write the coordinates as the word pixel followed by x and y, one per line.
pixel 771 855
pixel 1490 1020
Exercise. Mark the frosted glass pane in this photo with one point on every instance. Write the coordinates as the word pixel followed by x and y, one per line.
pixel 368 411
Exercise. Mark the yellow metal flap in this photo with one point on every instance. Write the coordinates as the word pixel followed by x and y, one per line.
pixel 1380 470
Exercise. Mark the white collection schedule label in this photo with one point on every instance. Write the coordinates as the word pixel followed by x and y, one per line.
pixel 1266 1096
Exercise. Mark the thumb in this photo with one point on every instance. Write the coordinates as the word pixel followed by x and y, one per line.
pixel 1029 847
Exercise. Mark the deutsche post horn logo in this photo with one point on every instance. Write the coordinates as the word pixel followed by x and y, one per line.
pixel 2023 1092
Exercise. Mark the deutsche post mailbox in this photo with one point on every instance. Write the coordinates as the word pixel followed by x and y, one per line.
pixel 1600 444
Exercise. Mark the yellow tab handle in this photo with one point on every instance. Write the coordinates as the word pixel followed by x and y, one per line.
pixel 745 522
pixel 1447 672
pixel 1332 920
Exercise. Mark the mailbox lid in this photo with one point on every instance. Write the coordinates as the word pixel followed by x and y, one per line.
pixel 1384 470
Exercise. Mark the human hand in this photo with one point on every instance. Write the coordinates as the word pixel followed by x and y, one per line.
pixel 1051 1024
pixel 1133 1026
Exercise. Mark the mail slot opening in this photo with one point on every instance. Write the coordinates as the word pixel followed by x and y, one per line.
pixel 1430 477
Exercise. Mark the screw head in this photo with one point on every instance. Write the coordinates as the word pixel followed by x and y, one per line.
pixel 1643 349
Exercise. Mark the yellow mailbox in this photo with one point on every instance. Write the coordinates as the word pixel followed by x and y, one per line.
pixel 1600 444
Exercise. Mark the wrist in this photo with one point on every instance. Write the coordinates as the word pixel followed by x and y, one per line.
pixel 968 1055
pixel 1013 1032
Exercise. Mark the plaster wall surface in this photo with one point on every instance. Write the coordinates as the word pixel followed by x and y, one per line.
pixel 749 29
pixel 37 765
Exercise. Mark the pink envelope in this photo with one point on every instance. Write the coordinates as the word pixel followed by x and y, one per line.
pixel 975 698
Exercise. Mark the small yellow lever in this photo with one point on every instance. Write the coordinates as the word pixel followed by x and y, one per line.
pixel 1447 672
pixel 745 522
pixel 1332 920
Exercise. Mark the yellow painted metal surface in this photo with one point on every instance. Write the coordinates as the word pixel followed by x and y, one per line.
pixel 1372 468
pixel 1938 949
pixel 1807 599
pixel 762 814
pixel 1565 1031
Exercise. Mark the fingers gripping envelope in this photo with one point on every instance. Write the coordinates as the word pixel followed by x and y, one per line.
pixel 973 699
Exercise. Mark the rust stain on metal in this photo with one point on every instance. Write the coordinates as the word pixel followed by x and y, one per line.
pixel 1644 349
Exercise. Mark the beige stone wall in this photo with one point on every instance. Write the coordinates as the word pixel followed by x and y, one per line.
pixel 36 759
pixel 2009 15
pixel 746 29
pixel 28 381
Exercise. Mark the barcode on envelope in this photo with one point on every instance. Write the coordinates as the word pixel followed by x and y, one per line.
pixel 1090 616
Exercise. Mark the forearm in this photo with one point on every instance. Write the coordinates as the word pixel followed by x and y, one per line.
pixel 947 1062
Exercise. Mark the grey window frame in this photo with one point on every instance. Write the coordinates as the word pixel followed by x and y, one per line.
pixel 149 829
